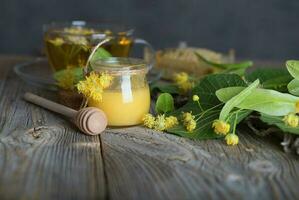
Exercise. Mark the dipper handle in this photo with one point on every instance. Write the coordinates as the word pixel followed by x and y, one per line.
pixel 50 105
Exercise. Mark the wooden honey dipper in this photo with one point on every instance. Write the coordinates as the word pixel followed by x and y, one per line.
pixel 90 120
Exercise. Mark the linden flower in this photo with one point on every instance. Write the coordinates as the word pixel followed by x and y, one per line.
pixel 291 120
pixel 181 77
pixel 148 120
pixel 220 127
pixel 183 82
pixel 105 80
pixel 231 139
pixel 67 82
pixel 187 116
pixel 170 122
pixel 57 41
pixel 79 40
pixel 186 86
pixel 297 107
pixel 160 123
pixel 189 121
pixel 195 98
pixel 78 31
pixel 93 85
pixel 190 125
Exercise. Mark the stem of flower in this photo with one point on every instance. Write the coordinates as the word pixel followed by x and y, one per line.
pixel 231 114
pixel 235 123
pixel 200 106
pixel 205 111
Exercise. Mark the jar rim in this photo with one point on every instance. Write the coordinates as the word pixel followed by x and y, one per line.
pixel 119 65
pixel 100 28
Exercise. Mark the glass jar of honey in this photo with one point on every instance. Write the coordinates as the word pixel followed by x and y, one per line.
pixel 127 98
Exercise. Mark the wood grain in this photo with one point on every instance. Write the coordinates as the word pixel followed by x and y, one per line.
pixel 144 164
pixel 42 156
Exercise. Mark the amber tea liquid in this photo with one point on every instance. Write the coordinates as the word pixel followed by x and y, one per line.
pixel 70 51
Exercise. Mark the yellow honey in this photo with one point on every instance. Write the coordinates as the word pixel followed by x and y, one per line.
pixel 124 108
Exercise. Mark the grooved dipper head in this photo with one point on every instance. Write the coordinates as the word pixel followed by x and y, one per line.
pixel 91 120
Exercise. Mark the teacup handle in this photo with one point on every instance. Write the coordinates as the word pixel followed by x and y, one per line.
pixel 151 58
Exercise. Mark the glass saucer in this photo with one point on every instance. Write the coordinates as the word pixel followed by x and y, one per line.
pixel 38 72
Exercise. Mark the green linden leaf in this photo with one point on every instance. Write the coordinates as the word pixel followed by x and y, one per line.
pixel 204 129
pixel 266 101
pixel 206 89
pixel 163 87
pixel 76 72
pixel 242 65
pixel 236 100
pixel 278 121
pixel 164 103
pixel 293 68
pixel 100 53
pixel 271 78
pixel 293 87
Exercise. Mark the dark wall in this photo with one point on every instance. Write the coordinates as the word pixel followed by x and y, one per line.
pixel 264 29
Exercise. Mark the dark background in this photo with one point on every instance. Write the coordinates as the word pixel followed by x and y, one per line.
pixel 259 29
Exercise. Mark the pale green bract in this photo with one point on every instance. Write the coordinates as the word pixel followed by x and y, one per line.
pixel 164 103
pixel 230 66
pixel 237 100
pixel 278 121
pixel 266 101
pixel 293 68
pixel 293 87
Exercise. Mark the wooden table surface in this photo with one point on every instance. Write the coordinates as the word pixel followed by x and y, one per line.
pixel 42 156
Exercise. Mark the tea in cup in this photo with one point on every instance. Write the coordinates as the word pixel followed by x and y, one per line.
pixel 68 45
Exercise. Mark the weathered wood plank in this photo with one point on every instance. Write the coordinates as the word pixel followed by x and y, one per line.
pixel 41 155
pixel 55 161
pixel 143 164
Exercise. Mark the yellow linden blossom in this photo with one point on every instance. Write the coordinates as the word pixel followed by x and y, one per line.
pixel 57 41
pixel 170 122
pixel 92 87
pixel 186 86
pixel 181 77
pixel 67 82
pixel 78 31
pixel 291 120
pixel 183 82
pixel 77 35
pixel 80 40
pixel 195 98
pixel 189 121
pixel 231 139
pixel 148 120
pixel 105 80
pixel 297 107
pixel 190 125
pixel 187 116
pixel 220 127
pixel 160 123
